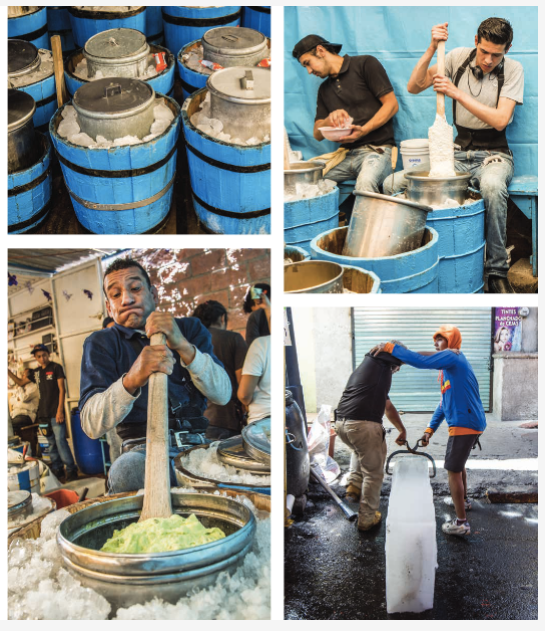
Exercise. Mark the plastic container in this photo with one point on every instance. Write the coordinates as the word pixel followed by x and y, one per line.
pixel 415 154
pixel 63 497
pixel 87 452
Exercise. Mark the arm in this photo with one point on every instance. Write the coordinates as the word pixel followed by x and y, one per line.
pixel 422 75
pixel 62 393
pixel 436 420
pixel 337 118
pixel 393 416
pixel 246 388
pixel 20 381
pixel 385 113
pixel 30 393
pixel 436 361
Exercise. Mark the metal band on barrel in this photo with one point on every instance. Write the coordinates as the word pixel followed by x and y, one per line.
pixel 228 167
pixel 30 37
pixel 103 15
pixel 17 190
pixel 228 213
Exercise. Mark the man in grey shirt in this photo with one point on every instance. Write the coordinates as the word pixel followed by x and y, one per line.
pixel 118 361
pixel 484 85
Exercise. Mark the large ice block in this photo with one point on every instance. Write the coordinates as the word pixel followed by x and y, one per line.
pixel 411 546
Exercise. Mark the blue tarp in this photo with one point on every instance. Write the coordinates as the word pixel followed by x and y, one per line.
pixel 398 36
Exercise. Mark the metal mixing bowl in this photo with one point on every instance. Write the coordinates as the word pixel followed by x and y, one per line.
pixel 434 191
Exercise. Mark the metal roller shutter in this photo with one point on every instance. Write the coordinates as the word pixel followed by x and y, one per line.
pixel 415 390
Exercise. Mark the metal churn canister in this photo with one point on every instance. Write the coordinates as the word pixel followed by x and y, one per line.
pixel 119 52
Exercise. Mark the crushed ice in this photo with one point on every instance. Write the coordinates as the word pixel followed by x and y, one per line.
pixel 44 70
pixel 193 58
pixel 304 190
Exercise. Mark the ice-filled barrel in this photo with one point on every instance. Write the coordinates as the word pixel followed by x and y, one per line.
pixel 154 25
pixel 121 52
pixel 226 46
pixel 90 20
pixel 117 147
pixel 182 25
pixel 258 18
pixel 28 23
pixel 31 70
pixel 227 134
pixel 58 23
pixel 416 271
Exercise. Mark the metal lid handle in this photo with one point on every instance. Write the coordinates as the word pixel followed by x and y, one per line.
pixel 247 81
pixel 112 90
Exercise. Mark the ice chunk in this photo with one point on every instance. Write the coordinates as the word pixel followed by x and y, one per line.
pixel 81 139
pixel 411 547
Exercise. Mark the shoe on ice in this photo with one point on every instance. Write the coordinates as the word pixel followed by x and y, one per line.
pixel 454 528
pixel 369 523
pixel 353 493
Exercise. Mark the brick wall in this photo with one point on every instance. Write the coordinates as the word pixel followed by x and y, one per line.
pixel 186 278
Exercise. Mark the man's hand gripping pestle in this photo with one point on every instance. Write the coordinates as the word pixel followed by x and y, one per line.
pixel 441 134
pixel 157 482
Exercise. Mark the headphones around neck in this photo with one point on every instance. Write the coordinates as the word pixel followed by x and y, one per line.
pixel 478 73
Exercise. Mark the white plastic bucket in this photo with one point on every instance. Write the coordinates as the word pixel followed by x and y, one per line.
pixel 26 478
pixel 415 154
pixel 44 447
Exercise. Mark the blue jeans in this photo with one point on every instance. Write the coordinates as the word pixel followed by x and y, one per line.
pixel 492 179
pixel 366 166
pixel 127 473
pixel 59 450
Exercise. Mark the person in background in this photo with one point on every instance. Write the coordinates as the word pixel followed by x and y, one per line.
pixel 257 324
pixel 23 407
pixel 230 348
pixel 254 390
pixel 50 378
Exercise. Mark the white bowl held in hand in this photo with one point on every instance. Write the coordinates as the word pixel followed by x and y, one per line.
pixel 335 133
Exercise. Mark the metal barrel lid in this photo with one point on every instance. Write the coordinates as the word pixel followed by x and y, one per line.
pixel 233 40
pixel 21 108
pixel 257 440
pixel 396 200
pixel 18 501
pixel 22 57
pixel 116 43
pixel 114 96
pixel 231 452
pixel 247 86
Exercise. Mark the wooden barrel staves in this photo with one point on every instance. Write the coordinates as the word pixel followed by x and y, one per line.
pixel 122 190
pixel 191 79
pixel 154 25
pixel 44 93
pixel 58 23
pixel 185 24
pixel 231 184
pixel 258 18
pixel 32 27
pixel 29 192
pixel 305 219
pixel 162 83
pixel 85 23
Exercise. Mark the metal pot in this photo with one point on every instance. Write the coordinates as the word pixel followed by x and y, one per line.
pixel 302 173
pixel 434 191
pixel 129 579
pixel 118 52
pixel 384 226
pixel 234 46
pixel 114 108
pixel 240 97
pixel 232 452
pixel 313 277
pixel 294 254
pixel 19 505
pixel 23 58
pixel 360 281
pixel 256 438
pixel 22 145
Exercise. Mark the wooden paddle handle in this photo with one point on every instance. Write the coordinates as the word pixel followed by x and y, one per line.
pixel 441 71
pixel 157 484
pixel 58 66
pixel 394 157
pixel 287 150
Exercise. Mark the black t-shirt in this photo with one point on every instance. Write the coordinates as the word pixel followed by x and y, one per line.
pixel 49 389
pixel 357 89
pixel 230 348
pixel 365 395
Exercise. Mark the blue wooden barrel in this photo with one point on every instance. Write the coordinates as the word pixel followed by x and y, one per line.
pixel 87 452
pixel 185 24
pixel 360 281
pixel 231 184
pixel 154 25
pixel 31 27
pixel 411 272
pixel 258 18
pixel 85 24
pixel 307 218
pixel 163 83
pixel 58 23
pixel 29 192
pixel 295 253
pixel 461 247
pixel 122 190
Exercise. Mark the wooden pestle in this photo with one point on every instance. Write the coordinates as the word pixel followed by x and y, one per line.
pixel 441 71
pixel 58 65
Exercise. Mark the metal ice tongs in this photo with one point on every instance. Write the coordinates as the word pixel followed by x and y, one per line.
pixel 413 451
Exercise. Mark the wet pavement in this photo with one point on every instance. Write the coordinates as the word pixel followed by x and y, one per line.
pixel 334 572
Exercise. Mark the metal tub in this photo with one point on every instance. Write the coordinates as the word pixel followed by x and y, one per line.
pixel 434 191
pixel 313 277
pixel 360 281
pixel 129 579
pixel 294 254
pixel 384 226
pixel 302 173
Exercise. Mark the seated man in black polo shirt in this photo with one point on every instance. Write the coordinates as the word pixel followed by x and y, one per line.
pixel 364 402
pixel 355 88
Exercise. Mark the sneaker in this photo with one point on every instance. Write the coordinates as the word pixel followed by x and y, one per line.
pixel 353 493
pixel 453 528
pixel 467 504
pixel 368 524
pixel 70 477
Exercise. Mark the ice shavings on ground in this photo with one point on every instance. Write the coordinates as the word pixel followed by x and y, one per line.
pixel 304 190
pixel 214 127
pixel 192 60
pixel 44 70
pixel 441 137
pixel 69 128
pixel 82 71
pixel 205 463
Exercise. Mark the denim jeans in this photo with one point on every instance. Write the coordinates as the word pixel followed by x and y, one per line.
pixel 220 433
pixel 366 166
pixel 492 179
pixel 127 473
pixel 59 450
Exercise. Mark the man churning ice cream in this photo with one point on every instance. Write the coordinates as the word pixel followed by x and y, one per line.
pixel 460 405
